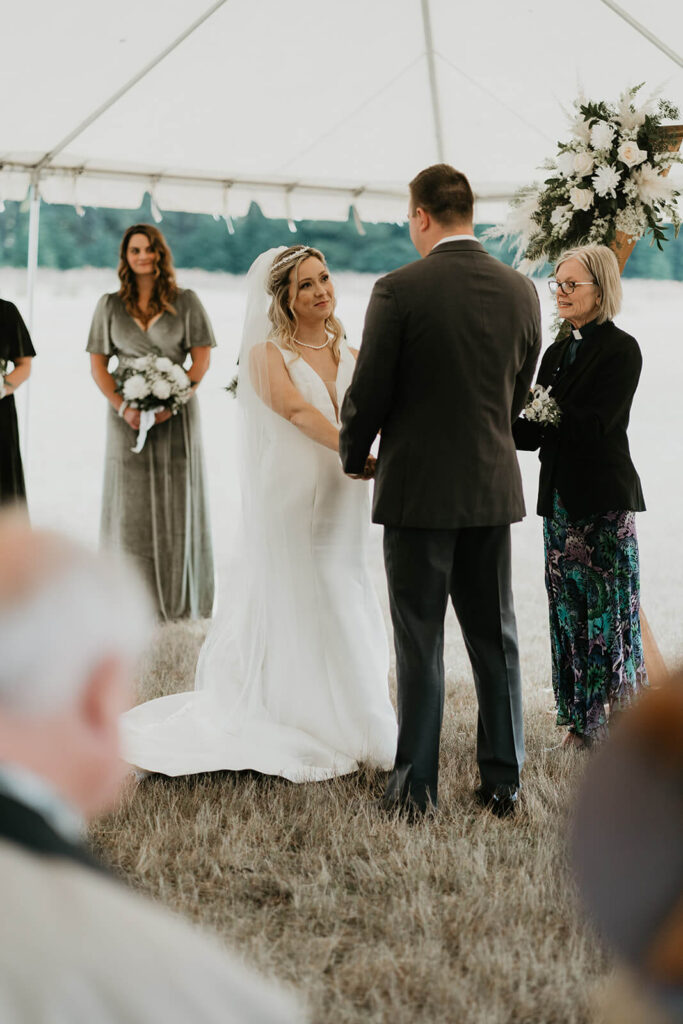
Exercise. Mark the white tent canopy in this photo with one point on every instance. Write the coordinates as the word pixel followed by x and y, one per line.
pixel 306 108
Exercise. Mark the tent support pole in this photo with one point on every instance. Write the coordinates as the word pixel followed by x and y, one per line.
pixel 433 87
pixel 645 32
pixel 31 272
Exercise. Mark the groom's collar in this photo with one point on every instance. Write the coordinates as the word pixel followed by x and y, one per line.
pixel 454 238
pixel 457 243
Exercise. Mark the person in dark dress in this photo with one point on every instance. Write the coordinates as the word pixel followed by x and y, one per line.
pixel 154 504
pixel 588 495
pixel 16 351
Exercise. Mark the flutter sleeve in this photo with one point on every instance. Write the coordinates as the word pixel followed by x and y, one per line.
pixel 15 341
pixel 99 339
pixel 198 329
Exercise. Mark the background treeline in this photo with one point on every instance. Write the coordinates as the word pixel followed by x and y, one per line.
pixel 68 240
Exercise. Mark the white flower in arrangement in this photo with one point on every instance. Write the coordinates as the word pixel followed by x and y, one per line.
pixel 630 155
pixel 163 364
pixel 580 128
pixel 632 118
pixel 605 180
pixel 140 363
pixel 632 221
pixel 161 389
pixel 565 163
pixel 561 214
pixel 583 163
pixel 652 187
pixel 602 135
pixel 581 198
pixel 135 388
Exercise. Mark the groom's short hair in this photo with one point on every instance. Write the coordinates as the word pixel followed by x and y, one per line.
pixel 444 193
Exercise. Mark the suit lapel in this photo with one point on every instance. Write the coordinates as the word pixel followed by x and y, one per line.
pixel 24 826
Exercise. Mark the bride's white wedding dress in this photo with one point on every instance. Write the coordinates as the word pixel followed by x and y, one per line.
pixel 292 679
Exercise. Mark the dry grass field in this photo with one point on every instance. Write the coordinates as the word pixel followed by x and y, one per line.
pixel 463 919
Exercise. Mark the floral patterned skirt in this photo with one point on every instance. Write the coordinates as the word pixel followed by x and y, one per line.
pixel 592 578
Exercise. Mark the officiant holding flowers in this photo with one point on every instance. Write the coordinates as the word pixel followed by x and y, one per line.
pixel 589 492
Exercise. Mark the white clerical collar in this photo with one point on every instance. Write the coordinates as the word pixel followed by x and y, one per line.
pixel 36 792
pixel 455 238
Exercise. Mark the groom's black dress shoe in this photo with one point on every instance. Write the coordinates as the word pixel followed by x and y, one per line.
pixel 501 800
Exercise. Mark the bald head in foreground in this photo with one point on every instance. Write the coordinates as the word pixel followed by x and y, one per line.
pixel 75 945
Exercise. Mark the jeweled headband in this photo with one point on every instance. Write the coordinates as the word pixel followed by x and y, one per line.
pixel 290 259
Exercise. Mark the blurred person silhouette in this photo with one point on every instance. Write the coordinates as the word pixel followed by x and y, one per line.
pixel 627 850
pixel 75 944
pixel 16 348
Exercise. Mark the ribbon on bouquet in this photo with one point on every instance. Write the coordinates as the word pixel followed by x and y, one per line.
pixel 146 424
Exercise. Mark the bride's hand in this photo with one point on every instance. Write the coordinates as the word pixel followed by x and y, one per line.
pixel 369 469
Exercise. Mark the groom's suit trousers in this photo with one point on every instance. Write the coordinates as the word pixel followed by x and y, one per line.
pixel 472 566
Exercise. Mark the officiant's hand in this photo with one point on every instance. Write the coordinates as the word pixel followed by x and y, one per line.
pixel 162 416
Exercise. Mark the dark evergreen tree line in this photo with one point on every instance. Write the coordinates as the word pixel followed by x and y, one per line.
pixel 68 240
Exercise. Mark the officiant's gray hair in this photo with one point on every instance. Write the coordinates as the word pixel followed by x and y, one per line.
pixel 602 265
pixel 64 610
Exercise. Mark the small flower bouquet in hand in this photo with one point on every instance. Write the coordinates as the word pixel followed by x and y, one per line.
pixel 541 408
pixel 3 371
pixel 151 384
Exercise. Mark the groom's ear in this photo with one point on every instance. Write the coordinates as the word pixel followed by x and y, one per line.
pixel 423 219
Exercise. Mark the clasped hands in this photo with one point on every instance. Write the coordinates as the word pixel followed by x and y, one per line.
pixel 368 470
pixel 132 417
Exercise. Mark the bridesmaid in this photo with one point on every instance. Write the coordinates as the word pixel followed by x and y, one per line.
pixel 15 348
pixel 154 505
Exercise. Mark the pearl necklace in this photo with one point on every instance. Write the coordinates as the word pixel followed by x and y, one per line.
pixel 316 347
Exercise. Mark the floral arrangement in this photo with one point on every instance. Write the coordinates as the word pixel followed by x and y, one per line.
pixel 609 177
pixel 541 408
pixel 153 382
pixel 3 372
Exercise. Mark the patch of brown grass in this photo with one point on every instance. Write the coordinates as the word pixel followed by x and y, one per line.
pixel 466 918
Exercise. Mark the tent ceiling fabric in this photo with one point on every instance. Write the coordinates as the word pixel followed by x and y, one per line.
pixel 311 108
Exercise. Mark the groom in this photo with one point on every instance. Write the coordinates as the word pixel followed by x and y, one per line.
pixel 449 349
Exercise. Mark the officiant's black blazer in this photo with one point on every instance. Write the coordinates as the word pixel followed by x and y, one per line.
pixel 449 349
pixel 587 457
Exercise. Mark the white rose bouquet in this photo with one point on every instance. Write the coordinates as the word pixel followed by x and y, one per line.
pixel 3 371
pixel 608 178
pixel 541 407
pixel 151 384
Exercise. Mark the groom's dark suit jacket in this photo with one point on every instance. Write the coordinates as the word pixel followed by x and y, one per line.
pixel 449 350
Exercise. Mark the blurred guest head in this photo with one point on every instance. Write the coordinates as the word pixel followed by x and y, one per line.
pixel 626 841
pixel 72 624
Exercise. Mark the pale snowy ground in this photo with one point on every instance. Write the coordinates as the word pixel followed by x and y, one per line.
pixel 62 418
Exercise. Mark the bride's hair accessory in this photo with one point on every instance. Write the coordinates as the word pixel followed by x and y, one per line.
pixel 290 257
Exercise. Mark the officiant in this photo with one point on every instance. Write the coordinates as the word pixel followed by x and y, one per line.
pixel 589 492
pixel 16 349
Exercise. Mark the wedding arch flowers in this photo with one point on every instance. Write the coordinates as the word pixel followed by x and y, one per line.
pixel 610 177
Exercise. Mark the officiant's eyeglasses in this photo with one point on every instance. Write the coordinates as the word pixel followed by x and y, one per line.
pixel 566 287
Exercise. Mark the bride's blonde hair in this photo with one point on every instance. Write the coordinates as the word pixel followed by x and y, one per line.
pixel 282 317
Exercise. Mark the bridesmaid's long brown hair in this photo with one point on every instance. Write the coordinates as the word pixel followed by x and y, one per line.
pixel 165 288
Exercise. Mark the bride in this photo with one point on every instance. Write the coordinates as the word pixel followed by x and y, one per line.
pixel 292 677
